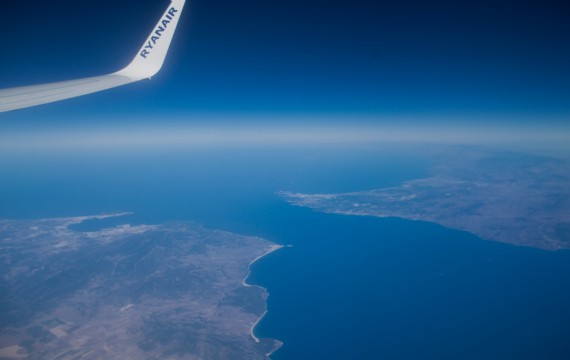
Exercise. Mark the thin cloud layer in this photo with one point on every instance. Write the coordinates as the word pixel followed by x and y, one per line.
pixel 133 137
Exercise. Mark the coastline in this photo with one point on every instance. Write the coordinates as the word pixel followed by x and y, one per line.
pixel 271 249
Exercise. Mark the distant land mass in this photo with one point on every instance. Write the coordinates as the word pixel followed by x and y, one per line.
pixel 171 291
pixel 501 196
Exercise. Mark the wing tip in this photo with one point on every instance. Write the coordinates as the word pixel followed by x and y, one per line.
pixel 151 56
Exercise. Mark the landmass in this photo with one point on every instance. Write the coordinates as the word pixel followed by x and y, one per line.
pixel 170 291
pixel 514 198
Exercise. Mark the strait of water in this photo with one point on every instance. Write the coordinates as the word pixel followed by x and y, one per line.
pixel 350 287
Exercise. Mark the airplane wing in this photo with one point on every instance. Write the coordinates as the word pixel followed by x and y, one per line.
pixel 147 63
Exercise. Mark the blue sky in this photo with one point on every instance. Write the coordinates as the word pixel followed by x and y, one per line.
pixel 288 61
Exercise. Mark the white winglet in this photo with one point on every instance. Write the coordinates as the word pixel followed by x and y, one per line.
pixel 150 57
pixel 147 62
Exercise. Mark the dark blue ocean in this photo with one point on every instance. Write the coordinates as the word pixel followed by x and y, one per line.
pixel 350 287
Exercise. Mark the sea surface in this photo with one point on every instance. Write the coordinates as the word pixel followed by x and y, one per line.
pixel 349 287
pixel 367 288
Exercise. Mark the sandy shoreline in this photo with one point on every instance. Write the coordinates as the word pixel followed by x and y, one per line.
pixel 271 249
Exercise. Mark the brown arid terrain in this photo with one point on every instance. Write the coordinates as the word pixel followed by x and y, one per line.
pixel 508 197
pixel 172 291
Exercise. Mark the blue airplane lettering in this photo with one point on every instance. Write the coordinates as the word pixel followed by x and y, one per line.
pixel 158 33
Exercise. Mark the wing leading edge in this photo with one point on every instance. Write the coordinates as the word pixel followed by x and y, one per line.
pixel 147 62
